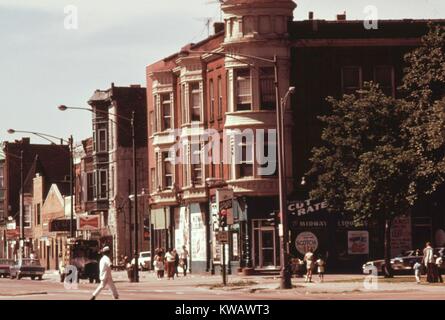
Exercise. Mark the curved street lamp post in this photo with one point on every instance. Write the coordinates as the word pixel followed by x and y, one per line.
pixel 133 138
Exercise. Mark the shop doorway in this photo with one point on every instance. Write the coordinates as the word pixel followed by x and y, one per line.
pixel 265 245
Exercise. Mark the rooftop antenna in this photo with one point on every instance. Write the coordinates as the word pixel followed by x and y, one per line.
pixel 220 2
pixel 208 22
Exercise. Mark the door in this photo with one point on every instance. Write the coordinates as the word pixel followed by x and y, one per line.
pixel 267 248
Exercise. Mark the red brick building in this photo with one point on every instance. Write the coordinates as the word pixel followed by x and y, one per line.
pixel 201 88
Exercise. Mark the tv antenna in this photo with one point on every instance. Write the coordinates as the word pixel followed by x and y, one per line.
pixel 208 22
pixel 220 2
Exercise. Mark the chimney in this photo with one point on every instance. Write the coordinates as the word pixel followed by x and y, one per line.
pixel 311 15
pixel 26 140
pixel 341 17
pixel 218 27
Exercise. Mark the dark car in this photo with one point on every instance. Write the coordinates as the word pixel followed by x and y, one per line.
pixel 404 262
pixel 27 268
pixel 5 265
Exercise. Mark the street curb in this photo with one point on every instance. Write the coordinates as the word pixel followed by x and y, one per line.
pixel 18 294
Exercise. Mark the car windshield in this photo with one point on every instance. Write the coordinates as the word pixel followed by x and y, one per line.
pixel 145 255
pixel 407 253
pixel 30 262
pixel 6 262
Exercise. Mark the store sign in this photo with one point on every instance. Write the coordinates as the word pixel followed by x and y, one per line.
pixel 302 208
pixel 88 222
pixel 401 239
pixel 12 234
pixel 62 225
pixel 358 242
pixel 306 241
pixel 11 225
pixel 222 236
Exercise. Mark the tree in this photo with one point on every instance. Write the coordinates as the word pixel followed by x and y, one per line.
pixel 380 154
pixel 364 167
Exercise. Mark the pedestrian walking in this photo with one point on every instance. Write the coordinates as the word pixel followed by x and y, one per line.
pixel 176 255
pixel 417 267
pixel 106 278
pixel 321 265
pixel 309 259
pixel 170 263
pixel 429 263
pixel 159 267
pixel 437 267
pixel 184 260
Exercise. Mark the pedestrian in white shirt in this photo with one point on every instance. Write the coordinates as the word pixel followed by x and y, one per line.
pixel 106 278
pixel 429 262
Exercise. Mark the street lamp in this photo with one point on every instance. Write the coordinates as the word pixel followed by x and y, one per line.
pixel 70 142
pixel 133 138
pixel 280 104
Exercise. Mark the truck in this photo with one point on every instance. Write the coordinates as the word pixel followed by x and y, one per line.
pixel 85 256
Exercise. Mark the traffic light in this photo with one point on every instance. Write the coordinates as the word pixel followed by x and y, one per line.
pixel 223 218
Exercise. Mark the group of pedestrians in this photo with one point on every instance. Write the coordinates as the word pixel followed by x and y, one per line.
pixel 311 264
pixel 169 261
pixel 430 263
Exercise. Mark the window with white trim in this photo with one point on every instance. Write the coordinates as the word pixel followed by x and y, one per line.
pixel 196 164
pixel 195 102
pixel 102 179
pixel 102 140
pixel 245 165
pixel 220 97
pixel 243 89
pixel 212 99
pixel 166 111
pixel 27 216
pixel 91 186
pixel 183 104
pixel 267 88
pixel 167 170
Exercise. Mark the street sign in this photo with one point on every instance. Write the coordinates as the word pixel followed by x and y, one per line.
pixel 222 236
pixel 11 225
pixel 60 225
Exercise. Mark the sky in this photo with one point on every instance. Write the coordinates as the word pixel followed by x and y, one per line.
pixel 43 64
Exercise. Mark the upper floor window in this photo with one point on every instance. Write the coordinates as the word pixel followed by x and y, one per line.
pixel 183 104
pixel 351 79
pixel 196 164
pixel 384 76
pixel 267 87
pixel 155 114
pixel 245 165
pixel 243 90
pixel 166 111
pixel 167 170
pixel 195 101
pixel 220 97
pixel 153 184
pixel 151 122
pixel 102 178
pixel 91 186
pixel 101 140
pixel 38 214
pixel 28 215
pixel 212 99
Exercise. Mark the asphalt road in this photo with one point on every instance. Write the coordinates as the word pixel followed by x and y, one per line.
pixel 198 287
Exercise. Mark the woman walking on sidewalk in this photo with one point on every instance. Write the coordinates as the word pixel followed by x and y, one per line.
pixel 309 259
pixel 428 260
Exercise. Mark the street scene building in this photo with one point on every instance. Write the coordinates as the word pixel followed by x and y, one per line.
pixel 201 87
pixel 211 155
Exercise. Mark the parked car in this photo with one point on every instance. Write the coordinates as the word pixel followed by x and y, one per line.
pixel 403 262
pixel 144 260
pixel 27 268
pixel 85 257
pixel 5 265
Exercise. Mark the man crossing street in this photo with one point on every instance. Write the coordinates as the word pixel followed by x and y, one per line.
pixel 106 278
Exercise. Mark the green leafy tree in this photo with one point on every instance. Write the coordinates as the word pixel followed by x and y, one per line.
pixel 365 166
pixel 380 154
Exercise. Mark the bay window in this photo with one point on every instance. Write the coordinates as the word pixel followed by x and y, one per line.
pixel 267 88
pixel 243 90
pixel 195 102
pixel 166 111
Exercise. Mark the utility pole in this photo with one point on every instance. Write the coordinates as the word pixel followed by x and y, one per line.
pixel 135 190
pixel 22 207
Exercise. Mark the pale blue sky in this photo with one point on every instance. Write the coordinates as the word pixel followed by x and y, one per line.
pixel 43 65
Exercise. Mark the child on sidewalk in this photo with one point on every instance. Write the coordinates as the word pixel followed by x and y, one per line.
pixel 159 268
pixel 321 268
pixel 417 271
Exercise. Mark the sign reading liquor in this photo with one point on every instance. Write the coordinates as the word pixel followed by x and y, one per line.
pixel 88 222
pixel 301 208
pixel 12 234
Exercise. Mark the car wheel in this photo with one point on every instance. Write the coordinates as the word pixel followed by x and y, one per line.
pixel 91 280
pixel 32 277
pixel 40 278
pixel 19 277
